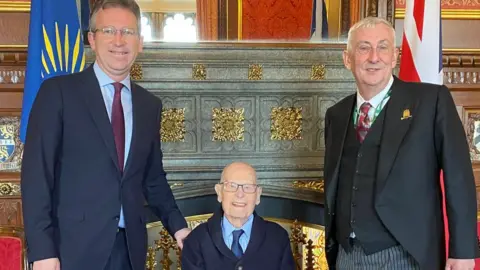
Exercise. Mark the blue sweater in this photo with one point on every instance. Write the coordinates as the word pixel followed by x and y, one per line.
pixel 268 249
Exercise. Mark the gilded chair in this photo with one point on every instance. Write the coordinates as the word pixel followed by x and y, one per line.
pixel 307 241
pixel 12 248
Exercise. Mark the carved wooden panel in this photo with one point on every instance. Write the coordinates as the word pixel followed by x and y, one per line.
pixel 11 212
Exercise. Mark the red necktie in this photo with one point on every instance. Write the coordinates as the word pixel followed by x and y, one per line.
pixel 118 124
pixel 363 124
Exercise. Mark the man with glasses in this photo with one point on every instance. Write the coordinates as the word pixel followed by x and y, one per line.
pixel 385 146
pixel 235 237
pixel 93 157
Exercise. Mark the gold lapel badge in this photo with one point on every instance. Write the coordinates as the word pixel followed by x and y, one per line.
pixel 406 114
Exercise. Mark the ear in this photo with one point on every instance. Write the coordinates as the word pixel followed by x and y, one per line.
pixel 91 40
pixel 396 51
pixel 218 190
pixel 259 193
pixel 346 59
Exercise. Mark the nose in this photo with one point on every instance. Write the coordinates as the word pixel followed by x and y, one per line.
pixel 118 39
pixel 240 193
pixel 373 56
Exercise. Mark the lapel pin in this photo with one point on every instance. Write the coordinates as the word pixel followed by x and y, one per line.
pixel 406 114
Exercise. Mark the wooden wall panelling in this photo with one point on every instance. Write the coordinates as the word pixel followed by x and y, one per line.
pixel 14 28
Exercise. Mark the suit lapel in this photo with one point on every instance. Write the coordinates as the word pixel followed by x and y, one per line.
pixel 339 127
pixel 257 235
pixel 400 112
pixel 215 229
pixel 135 127
pixel 96 105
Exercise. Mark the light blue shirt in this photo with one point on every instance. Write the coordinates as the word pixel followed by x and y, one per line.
pixel 228 228
pixel 108 92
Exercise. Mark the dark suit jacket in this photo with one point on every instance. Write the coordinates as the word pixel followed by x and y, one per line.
pixel 408 196
pixel 71 184
pixel 269 248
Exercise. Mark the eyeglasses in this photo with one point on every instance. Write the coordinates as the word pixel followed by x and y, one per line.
pixel 112 31
pixel 364 49
pixel 233 187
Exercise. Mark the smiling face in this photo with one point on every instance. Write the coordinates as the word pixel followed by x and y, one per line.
pixel 115 52
pixel 238 205
pixel 371 57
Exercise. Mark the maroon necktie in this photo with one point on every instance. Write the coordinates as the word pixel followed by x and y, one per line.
pixel 363 124
pixel 118 124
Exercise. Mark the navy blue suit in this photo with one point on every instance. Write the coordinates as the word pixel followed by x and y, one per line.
pixel 72 187
pixel 269 248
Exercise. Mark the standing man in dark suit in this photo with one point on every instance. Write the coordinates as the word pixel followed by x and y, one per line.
pixel 92 158
pixel 385 148
pixel 235 237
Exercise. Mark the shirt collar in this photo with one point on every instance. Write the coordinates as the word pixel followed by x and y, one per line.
pixel 377 99
pixel 105 80
pixel 228 228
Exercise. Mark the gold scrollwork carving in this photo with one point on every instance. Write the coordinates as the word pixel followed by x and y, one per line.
pixel 151 263
pixel 228 124
pixel 136 72
pixel 286 123
pixel 199 72
pixel 297 240
pixel 255 72
pixel 9 189
pixel 165 243
pixel 176 185
pixel 173 125
pixel 311 185
pixel 318 72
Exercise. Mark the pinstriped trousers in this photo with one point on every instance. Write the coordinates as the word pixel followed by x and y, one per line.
pixel 394 258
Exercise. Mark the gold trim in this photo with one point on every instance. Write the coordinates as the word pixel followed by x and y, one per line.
pixel 447 13
pixel 16 46
pixel 317 186
pixel 14 6
pixel 240 17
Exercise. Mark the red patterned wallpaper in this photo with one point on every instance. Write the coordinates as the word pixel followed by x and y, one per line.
pixel 276 19
pixel 449 4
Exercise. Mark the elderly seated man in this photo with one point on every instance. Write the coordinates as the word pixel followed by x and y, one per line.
pixel 235 237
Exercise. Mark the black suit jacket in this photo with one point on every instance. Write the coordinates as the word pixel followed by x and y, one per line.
pixel 413 151
pixel 269 248
pixel 71 184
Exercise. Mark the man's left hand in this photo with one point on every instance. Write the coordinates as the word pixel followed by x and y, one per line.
pixel 460 264
pixel 180 236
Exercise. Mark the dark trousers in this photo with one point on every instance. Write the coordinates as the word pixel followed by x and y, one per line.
pixel 119 259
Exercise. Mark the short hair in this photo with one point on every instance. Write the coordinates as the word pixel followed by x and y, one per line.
pixel 130 5
pixel 368 22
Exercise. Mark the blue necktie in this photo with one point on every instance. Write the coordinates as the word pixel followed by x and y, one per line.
pixel 236 248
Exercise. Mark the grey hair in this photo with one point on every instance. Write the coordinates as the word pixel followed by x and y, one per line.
pixel 368 22
pixel 130 5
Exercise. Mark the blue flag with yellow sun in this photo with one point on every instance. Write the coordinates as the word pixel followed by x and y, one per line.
pixel 55 47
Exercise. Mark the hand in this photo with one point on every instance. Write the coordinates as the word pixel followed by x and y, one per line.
pixel 47 264
pixel 180 236
pixel 460 264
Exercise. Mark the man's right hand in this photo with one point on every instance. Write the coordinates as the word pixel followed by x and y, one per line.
pixel 47 264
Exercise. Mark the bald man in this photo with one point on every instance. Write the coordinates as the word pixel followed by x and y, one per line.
pixel 235 237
